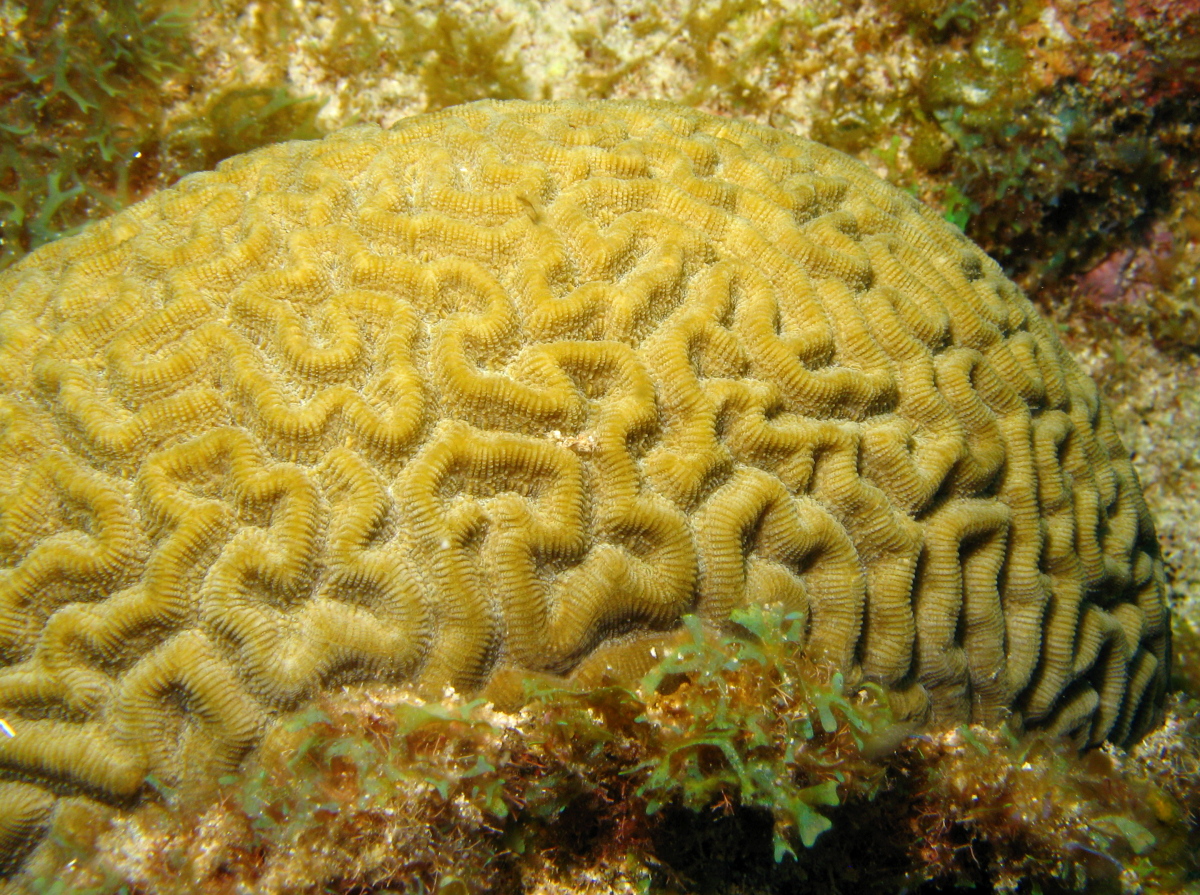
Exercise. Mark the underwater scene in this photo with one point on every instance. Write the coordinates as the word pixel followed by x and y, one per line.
pixel 565 447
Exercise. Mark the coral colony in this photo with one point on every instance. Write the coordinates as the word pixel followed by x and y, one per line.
pixel 595 494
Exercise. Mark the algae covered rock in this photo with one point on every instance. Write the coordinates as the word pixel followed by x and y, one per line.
pixel 510 389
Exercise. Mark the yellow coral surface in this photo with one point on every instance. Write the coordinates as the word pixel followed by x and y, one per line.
pixel 511 388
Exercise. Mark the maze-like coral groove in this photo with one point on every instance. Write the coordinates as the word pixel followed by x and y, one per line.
pixel 510 389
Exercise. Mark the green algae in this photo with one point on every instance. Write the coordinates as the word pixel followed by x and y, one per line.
pixel 706 34
pixel 85 90
pixel 458 58
pixel 465 63
pixel 457 790
pixel 79 96
pixel 735 765
pixel 238 120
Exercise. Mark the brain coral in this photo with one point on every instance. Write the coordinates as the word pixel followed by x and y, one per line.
pixel 511 388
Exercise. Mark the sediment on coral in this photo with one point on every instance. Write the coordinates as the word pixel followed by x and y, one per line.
pixel 512 390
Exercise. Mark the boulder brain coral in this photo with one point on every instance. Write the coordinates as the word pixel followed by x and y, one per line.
pixel 510 389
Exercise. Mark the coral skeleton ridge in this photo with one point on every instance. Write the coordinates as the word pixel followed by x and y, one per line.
pixel 511 389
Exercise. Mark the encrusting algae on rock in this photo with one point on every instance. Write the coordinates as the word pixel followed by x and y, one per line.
pixel 538 394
